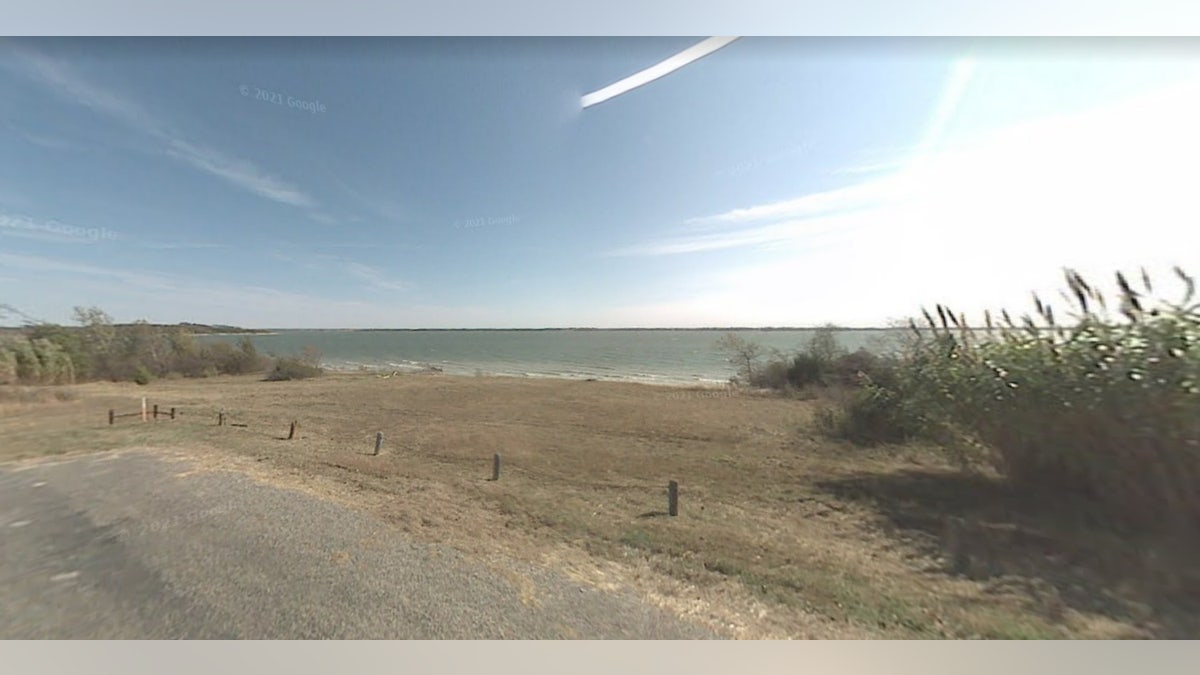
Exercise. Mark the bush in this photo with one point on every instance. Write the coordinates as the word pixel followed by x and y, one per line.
pixel 56 365
pixel 822 363
pixel 8 365
pixel 772 375
pixel 870 415
pixel 142 375
pixel 29 366
pixel 237 359
pixel 305 365
pixel 806 370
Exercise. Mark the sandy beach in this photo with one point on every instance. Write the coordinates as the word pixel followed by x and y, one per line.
pixel 780 532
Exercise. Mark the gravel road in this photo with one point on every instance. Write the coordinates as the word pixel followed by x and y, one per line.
pixel 134 546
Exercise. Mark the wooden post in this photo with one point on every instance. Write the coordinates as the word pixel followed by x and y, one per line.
pixel 221 418
pixel 378 441
pixel 143 408
pixel 496 466
pixel 292 431
pixel 952 535
pixel 111 416
pixel 673 498
pixel 155 411
pixel 172 413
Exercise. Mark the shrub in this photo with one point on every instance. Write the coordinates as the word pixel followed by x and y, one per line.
pixel 69 342
pixel 297 367
pixel 846 368
pixel 142 375
pixel 8 365
pixel 823 363
pixel 805 370
pixel 869 415
pixel 771 375
pixel 28 365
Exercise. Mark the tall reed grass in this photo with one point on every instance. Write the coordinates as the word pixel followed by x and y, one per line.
pixel 1102 400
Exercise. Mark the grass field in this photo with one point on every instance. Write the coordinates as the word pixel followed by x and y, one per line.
pixel 781 532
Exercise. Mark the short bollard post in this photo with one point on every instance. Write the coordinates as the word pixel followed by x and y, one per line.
pixel 143 408
pixel 221 418
pixel 496 466
pixel 292 431
pixel 172 413
pixel 952 535
pixel 155 411
pixel 673 498
pixel 112 414
pixel 378 442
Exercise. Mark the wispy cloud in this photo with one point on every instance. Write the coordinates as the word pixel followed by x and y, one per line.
pixel 762 236
pixel 324 218
pixel 62 79
pixel 379 206
pixel 961 73
pixel 239 172
pixel 374 278
pixel 125 292
pixel 48 142
pixel 58 76
pixel 183 291
pixel 179 245
pixel 871 167
pixel 34 263
pixel 775 222
pixel 817 203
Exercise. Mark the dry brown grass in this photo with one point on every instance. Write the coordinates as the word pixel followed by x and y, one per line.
pixel 780 534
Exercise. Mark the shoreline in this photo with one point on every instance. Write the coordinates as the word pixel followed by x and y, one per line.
pixel 466 372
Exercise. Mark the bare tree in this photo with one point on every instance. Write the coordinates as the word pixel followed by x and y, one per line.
pixel 743 354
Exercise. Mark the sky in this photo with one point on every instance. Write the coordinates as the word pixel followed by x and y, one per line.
pixel 461 183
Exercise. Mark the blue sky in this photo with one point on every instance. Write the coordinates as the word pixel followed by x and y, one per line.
pixel 459 182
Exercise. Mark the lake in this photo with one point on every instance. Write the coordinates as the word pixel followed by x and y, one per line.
pixel 652 356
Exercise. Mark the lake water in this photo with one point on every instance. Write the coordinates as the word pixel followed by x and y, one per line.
pixel 652 356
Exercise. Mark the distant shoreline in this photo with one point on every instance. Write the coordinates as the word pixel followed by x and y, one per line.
pixel 530 330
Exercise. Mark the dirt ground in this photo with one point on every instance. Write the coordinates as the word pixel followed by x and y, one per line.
pixel 780 533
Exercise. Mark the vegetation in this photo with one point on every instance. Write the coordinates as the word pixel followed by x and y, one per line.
pixel 301 367
pixel 821 364
pixel 1105 407
pixel 99 349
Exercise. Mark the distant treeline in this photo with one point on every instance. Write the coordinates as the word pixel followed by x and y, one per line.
pixel 725 329
pixel 192 328
pixel 207 329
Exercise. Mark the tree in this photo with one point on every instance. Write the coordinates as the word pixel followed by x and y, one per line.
pixel 823 344
pixel 742 353
pixel 99 338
